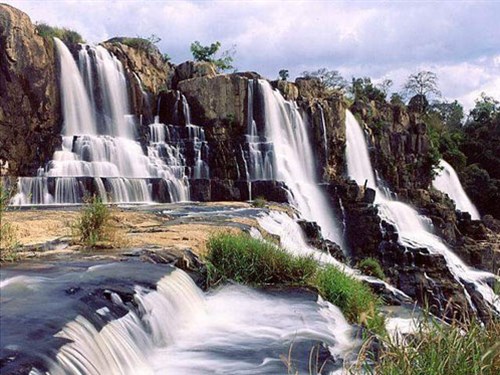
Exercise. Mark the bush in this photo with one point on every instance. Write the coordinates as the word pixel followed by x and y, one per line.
pixel 8 232
pixel 436 348
pixel 247 260
pixel 94 223
pixel 371 267
pixel 259 202
pixel 66 35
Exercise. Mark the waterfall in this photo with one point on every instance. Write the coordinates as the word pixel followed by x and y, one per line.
pixel 172 327
pixel 413 230
pixel 99 141
pixel 446 180
pixel 293 160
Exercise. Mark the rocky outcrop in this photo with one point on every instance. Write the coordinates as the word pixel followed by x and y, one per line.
pixel 30 119
pixel 192 69
pixel 400 147
pixel 423 276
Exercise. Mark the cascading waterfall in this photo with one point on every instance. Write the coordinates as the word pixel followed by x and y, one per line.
pixel 287 141
pixel 100 153
pixel 176 329
pixel 413 230
pixel 447 181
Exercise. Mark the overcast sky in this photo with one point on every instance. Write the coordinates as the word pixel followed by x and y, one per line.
pixel 459 40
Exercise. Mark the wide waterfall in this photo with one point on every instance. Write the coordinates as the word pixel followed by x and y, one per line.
pixel 280 149
pixel 170 328
pixel 100 153
pixel 447 181
pixel 413 230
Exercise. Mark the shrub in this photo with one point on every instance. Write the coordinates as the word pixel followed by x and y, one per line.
pixel 250 261
pixel 371 267
pixel 436 348
pixel 94 223
pixel 66 35
pixel 8 232
pixel 259 202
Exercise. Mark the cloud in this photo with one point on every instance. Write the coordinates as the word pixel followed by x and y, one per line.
pixel 459 40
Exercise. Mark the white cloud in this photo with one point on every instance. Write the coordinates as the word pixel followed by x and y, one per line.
pixel 458 40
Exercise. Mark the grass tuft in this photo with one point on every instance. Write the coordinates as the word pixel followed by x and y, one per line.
pixel 371 267
pixel 8 232
pixel 68 36
pixel 436 348
pixel 94 225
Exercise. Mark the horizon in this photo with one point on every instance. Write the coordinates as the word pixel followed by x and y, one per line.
pixel 459 41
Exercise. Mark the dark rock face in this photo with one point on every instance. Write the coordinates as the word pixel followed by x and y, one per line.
pixel 399 145
pixel 30 115
pixel 423 276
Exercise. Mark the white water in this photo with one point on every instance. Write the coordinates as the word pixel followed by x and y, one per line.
pixel 413 229
pixel 99 141
pixel 178 330
pixel 293 160
pixel 447 181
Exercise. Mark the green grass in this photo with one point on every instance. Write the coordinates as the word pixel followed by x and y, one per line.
pixel 371 267
pixel 94 223
pixel 246 260
pixel 66 35
pixel 8 232
pixel 458 349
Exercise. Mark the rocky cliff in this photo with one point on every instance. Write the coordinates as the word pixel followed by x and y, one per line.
pixel 30 115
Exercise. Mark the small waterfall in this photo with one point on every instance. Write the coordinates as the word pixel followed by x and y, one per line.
pixel 293 160
pixel 323 128
pixel 412 228
pixel 175 328
pixel 258 152
pixel 446 180
pixel 99 141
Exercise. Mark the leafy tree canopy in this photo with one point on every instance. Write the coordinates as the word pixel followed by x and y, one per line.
pixel 208 54
pixel 283 74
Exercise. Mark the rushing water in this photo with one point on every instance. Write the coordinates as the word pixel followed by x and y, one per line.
pixel 100 153
pixel 171 328
pixel 282 150
pixel 447 181
pixel 413 229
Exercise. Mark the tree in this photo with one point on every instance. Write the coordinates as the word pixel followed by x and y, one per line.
pixel 364 90
pixel 451 114
pixel 486 109
pixel 207 53
pixel 331 79
pixel 385 86
pixel 283 74
pixel 423 83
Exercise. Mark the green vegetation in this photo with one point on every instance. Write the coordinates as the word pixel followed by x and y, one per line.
pixel 147 44
pixel 371 267
pixel 330 79
pixel 436 348
pixel 246 260
pixel 259 202
pixel 66 35
pixel 283 74
pixel 8 233
pixel 207 53
pixel 94 223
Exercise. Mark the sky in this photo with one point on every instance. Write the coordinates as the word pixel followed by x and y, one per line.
pixel 458 40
